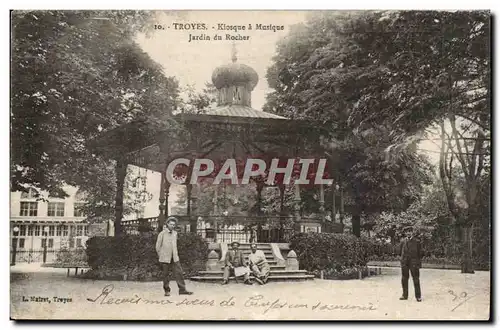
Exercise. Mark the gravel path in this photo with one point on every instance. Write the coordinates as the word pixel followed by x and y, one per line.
pixel 447 295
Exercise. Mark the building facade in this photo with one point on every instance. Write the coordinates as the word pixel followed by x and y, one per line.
pixel 36 221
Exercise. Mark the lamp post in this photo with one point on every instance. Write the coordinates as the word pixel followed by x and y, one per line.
pixel 14 246
pixel 46 234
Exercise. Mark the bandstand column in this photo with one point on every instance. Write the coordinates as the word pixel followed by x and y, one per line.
pixel 194 208
pixel 259 187
pixel 121 173
pixel 297 200
pixel 341 211
pixel 189 190
pixel 161 216
pixel 334 207
pixel 282 199
pixel 322 199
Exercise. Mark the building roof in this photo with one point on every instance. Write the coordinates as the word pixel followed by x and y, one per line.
pixel 237 110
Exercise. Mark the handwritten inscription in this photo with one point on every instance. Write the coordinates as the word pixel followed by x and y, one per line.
pixel 256 302
pixel 459 298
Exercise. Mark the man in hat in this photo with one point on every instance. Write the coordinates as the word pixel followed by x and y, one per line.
pixel 258 264
pixel 166 247
pixel 411 262
pixel 234 264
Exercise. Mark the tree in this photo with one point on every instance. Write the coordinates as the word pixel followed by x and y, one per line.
pixel 75 75
pixel 315 76
pixel 199 102
pixel 418 79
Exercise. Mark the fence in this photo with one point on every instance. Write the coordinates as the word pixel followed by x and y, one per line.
pixel 32 255
pixel 244 229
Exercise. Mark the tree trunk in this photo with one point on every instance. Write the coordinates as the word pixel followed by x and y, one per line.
pixel 161 206
pixel 121 173
pixel 467 266
pixel 356 225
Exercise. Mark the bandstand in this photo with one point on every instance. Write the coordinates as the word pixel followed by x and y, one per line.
pixel 233 130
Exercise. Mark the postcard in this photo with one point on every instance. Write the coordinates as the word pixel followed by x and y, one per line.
pixel 250 165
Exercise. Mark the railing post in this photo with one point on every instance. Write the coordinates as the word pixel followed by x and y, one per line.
pixel 45 248
pixel 14 251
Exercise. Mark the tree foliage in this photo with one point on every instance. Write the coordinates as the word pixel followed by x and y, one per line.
pixel 322 72
pixel 394 75
pixel 76 74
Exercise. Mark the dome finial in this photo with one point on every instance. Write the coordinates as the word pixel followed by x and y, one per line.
pixel 233 53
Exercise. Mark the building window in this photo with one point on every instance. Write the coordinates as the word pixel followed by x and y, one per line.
pixel 79 230
pixel 71 243
pixel 56 209
pixel 37 230
pixel 64 230
pixel 29 209
pixel 21 243
pixel 78 212
pixel 30 230
pixel 22 230
pixel 51 242
pixel 44 241
pixel 28 195
pixel 51 230
pixel 78 242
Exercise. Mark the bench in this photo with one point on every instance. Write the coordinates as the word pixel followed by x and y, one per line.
pixel 69 267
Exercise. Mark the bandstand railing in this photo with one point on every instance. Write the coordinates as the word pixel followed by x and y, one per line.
pixel 243 229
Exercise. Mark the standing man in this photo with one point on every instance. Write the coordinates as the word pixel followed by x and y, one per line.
pixel 234 264
pixel 166 247
pixel 258 264
pixel 411 262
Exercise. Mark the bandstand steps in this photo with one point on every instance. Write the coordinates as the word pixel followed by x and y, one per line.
pixel 275 278
pixel 279 273
pixel 274 272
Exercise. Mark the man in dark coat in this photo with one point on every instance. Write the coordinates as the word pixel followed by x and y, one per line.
pixel 411 262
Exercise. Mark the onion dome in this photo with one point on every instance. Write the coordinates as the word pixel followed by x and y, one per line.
pixel 235 74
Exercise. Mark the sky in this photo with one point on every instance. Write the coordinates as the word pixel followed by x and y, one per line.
pixel 192 63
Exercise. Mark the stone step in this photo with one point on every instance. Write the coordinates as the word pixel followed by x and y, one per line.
pixel 274 272
pixel 270 261
pixel 280 278
pixel 267 254
pixel 272 265
pixel 260 246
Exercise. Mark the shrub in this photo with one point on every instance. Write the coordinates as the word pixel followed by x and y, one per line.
pixel 71 257
pixel 330 252
pixel 135 256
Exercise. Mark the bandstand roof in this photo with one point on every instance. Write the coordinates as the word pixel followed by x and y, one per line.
pixel 233 129
pixel 228 131
pixel 237 110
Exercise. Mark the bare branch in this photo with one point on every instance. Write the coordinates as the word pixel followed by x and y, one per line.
pixel 475 121
pixel 478 147
pixel 460 155
pixel 443 173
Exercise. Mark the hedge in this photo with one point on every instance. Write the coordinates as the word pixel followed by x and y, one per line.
pixel 66 256
pixel 135 257
pixel 337 255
